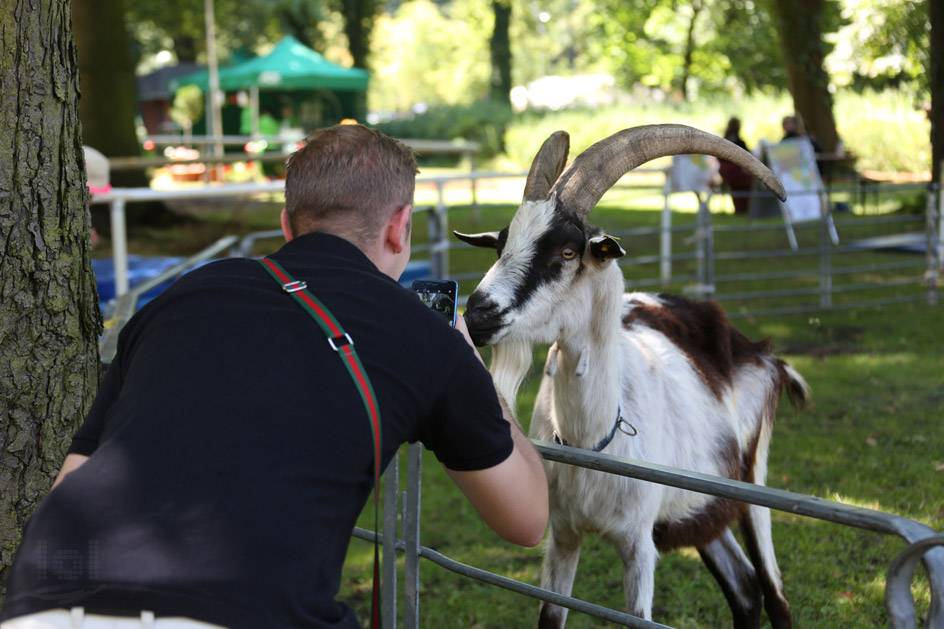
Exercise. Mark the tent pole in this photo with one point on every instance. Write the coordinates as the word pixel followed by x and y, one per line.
pixel 254 108
pixel 216 117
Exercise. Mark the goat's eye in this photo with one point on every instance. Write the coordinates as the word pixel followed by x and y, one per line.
pixel 569 254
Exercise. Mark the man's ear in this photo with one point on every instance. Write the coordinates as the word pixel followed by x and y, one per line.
pixel 398 229
pixel 286 226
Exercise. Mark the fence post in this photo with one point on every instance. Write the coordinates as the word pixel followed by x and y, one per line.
pixel 665 247
pixel 704 249
pixel 388 605
pixel 931 214
pixel 438 236
pixel 940 218
pixel 411 536
pixel 119 245
pixel 473 179
pixel 709 248
pixel 825 260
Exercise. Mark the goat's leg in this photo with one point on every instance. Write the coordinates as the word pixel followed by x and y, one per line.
pixel 639 554
pixel 734 573
pixel 755 527
pixel 560 567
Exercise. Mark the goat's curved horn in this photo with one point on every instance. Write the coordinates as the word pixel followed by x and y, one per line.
pixel 595 170
pixel 547 166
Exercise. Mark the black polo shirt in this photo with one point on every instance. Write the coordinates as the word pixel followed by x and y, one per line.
pixel 230 452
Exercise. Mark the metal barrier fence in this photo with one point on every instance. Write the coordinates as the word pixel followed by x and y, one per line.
pixel 117 200
pixel 921 275
pixel 922 541
pixel 438 244
pixel 686 258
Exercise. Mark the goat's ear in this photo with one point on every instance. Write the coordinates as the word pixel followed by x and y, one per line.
pixel 485 239
pixel 606 248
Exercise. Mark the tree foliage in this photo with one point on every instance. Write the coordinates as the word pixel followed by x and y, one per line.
pixel 684 48
pixel 690 47
pixel 180 25
pixel 433 57
pixel 883 43
pixel 553 37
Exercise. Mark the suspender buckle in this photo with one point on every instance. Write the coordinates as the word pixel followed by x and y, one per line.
pixel 294 286
pixel 346 337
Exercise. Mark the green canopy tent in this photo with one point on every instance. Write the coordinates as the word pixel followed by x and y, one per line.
pixel 294 76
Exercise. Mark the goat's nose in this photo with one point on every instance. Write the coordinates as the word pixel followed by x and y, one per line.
pixel 479 305
pixel 483 317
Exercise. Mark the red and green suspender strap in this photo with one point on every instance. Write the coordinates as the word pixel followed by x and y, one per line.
pixel 342 343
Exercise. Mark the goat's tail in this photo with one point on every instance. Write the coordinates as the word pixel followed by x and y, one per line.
pixel 798 391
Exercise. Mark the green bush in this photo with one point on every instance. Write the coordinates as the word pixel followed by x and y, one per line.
pixel 483 122
pixel 882 129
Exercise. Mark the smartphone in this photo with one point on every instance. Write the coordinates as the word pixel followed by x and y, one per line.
pixel 439 295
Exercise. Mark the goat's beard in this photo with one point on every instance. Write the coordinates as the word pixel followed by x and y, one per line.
pixel 511 361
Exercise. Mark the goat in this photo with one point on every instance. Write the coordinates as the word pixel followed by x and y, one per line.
pixel 686 388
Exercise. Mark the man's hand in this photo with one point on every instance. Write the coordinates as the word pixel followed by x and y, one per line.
pixel 73 462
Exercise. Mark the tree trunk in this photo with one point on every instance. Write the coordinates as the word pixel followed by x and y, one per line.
pixel 358 24
pixel 689 51
pixel 798 22
pixel 50 322
pixel 109 102
pixel 936 8
pixel 185 48
pixel 500 45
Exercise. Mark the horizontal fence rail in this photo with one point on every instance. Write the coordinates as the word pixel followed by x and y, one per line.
pixel 824 265
pixel 923 543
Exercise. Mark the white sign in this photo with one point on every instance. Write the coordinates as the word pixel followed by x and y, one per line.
pixel 693 173
pixel 794 163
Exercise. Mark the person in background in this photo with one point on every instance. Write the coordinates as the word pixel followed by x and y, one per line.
pixel 793 128
pixel 738 180
pixel 98 176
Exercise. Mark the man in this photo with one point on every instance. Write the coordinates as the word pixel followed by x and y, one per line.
pixel 227 455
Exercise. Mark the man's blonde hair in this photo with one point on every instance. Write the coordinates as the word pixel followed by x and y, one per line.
pixel 348 177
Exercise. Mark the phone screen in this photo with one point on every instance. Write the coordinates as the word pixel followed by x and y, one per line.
pixel 440 296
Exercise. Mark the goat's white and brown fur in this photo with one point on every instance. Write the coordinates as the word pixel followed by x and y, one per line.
pixel 700 395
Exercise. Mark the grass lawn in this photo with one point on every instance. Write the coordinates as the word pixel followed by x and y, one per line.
pixel 871 437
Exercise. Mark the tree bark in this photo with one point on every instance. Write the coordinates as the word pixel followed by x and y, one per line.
pixel 185 47
pixel 358 23
pixel 500 46
pixel 109 101
pixel 936 8
pixel 689 51
pixel 798 23
pixel 50 321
